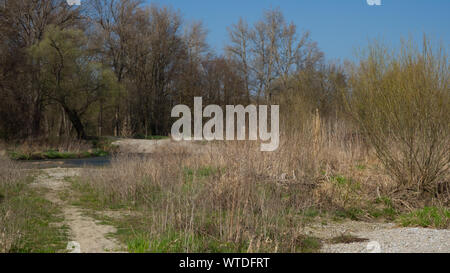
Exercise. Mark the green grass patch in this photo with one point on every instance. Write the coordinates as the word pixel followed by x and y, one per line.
pixel 310 215
pixel 351 213
pixel 433 217
pixel 387 213
pixel 88 197
pixel 202 172
pixel 345 182
pixel 311 212
pixel 309 244
pixel 104 144
pixel 180 242
pixel 383 208
pixel 37 222
pixel 197 175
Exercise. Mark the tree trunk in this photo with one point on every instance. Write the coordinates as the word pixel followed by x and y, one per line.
pixel 100 120
pixel 62 126
pixel 76 122
pixel 36 120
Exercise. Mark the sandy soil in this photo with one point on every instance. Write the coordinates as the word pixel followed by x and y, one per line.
pixel 87 235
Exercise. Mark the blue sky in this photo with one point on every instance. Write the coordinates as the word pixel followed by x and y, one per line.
pixel 339 26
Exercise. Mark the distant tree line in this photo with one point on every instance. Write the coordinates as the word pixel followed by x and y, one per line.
pixel 117 67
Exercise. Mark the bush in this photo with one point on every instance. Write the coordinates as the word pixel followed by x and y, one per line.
pixel 402 103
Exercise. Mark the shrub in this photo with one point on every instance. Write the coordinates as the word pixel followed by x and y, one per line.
pixel 402 103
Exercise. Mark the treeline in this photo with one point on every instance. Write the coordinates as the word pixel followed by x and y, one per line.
pixel 117 67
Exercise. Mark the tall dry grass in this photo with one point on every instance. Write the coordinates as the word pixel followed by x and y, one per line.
pixel 237 196
pixel 33 146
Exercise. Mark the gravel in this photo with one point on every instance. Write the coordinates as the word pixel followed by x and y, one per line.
pixel 396 240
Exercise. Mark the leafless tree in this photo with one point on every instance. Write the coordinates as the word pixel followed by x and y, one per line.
pixel 270 50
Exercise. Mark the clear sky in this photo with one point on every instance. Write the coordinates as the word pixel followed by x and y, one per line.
pixel 339 26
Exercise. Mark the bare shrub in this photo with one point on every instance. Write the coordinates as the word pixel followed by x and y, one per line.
pixel 402 103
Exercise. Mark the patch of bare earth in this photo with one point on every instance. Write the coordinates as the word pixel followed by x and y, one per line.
pixel 89 234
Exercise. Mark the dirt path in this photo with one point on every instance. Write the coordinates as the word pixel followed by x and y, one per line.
pixel 88 236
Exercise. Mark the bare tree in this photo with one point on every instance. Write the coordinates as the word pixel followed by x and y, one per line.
pixel 240 50
pixel 270 50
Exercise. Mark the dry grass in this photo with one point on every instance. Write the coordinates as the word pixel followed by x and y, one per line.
pixel 234 197
pixel 10 180
pixel 30 146
pixel 37 149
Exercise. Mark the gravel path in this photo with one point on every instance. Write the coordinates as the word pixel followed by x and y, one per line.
pixel 382 238
pixel 397 240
